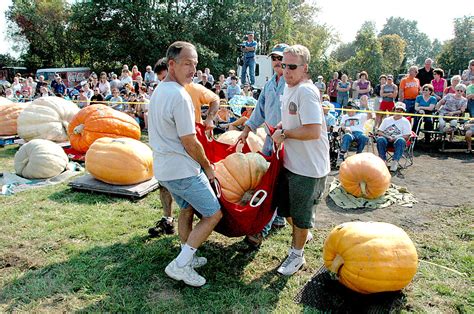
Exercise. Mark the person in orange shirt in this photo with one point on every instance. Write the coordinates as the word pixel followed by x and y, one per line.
pixel 409 89
pixel 200 96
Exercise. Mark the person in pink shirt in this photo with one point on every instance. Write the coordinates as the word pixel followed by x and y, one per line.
pixel 135 73
pixel 439 83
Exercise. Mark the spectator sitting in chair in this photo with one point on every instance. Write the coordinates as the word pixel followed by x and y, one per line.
pixel 330 119
pixel 469 128
pixel 394 131
pixel 451 106
pixel 352 124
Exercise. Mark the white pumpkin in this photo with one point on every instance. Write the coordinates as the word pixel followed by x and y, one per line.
pixel 46 118
pixel 5 101
pixel 40 159
pixel 230 137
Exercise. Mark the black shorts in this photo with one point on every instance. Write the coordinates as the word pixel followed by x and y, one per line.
pixel 297 196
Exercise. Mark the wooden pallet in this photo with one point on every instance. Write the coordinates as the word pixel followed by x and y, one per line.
pixel 8 140
pixel 136 191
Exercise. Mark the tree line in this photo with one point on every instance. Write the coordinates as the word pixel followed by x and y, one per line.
pixel 105 34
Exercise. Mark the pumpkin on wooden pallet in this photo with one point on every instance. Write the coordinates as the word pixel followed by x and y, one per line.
pixel 120 161
pixel 40 159
pixel 8 117
pixel 364 175
pixel 46 118
pixel 371 257
pixel 98 121
pixel 239 174
pixel 255 142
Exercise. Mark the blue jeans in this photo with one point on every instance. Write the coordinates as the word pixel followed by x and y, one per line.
pixel 410 103
pixel 342 99
pixel 195 191
pixel 250 63
pixel 470 107
pixel 399 146
pixel 357 136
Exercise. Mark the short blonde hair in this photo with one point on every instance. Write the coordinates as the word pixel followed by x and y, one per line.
pixel 300 51
pixel 456 78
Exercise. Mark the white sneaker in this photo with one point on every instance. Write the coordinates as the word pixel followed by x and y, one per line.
pixel 186 274
pixel 393 166
pixel 198 261
pixel 291 265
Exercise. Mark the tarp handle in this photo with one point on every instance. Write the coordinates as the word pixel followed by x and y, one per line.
pixel 260 201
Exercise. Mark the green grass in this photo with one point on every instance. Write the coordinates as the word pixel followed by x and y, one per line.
pixel 62 250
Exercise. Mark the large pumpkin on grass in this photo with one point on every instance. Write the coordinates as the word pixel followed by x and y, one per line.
pixel 46 118
pixel 364 175
pixel 239 174
pixel 254 142
pixel 120 161
pixel 370 257
pixel 8 117
pixel 40 159
pixel 98 121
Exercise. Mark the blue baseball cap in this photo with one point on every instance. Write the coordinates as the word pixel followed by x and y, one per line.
pixel 278 49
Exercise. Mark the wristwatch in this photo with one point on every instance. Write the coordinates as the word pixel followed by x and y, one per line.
pixel 282 134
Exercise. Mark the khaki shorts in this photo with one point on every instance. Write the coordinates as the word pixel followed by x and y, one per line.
pixel 297 196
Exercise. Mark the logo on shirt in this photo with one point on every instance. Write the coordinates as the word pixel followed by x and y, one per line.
pixel 292 108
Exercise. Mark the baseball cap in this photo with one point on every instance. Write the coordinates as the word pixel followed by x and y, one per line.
pixel 278 49
pixel 400 105
pixel 389 77
pixel 320 76
pixel 250 33
pixel 351 104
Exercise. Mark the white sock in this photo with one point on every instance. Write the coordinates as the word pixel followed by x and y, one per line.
pixel 168 219
pixel 298 252
pixel 185 256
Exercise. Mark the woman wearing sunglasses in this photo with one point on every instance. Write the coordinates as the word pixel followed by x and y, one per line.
pixel 451 106
pixel 425 104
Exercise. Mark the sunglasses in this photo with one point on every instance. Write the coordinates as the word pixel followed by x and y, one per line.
pixel 277 58
pixel 290 66
pixel 426 90
pixel 460 90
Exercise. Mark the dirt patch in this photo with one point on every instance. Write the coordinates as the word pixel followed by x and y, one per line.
pixel 16 261
pixel 438 181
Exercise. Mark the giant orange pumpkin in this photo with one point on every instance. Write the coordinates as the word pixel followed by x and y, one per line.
pixel 8 116
pixel 98 121
pixel 120 161
pixel 371 257
pixel 364 175
pixel 239 174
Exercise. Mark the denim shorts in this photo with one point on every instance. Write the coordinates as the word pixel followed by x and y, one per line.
pixel 194 191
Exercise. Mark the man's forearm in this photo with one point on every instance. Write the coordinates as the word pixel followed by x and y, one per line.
pixel 196 151
pixel 305 132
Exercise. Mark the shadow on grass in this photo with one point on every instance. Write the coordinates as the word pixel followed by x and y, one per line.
pixel 69 195
pixel 129 277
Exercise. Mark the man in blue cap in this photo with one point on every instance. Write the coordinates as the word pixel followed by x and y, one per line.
pixel 268 110
pixel 248 47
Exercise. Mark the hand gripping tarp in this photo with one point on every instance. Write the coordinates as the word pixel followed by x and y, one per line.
pixel 251 218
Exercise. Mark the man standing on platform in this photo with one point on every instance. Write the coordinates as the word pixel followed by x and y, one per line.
pixel 249 47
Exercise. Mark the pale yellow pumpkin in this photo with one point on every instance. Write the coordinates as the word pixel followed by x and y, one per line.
pixel 239 174
pixel 120 161
pixel 254 142
pixel 371 257
pixel 364 175
pixel 46 118
pixel 40 159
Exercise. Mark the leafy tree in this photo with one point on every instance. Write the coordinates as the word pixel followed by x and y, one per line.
pixel 368 56
pixel 418 45
pixel 344 51
pixel 7 60
pixel 457 52
pixel 393 47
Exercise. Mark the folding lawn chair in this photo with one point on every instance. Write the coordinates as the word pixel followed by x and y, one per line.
pixel 407 157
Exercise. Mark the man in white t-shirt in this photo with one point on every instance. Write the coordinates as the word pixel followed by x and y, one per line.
pixel 179 161
pixel 352 124
pixel 306 163
pixel 395 132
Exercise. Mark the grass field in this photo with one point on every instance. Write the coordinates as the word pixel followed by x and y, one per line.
pixel 62 250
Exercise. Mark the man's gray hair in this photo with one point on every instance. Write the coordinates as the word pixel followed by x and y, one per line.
pixel 429 60
pixel 175 49
pixel 300 51
pixel 456 78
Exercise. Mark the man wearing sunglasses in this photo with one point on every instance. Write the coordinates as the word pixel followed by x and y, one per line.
pixel 268 110
pixel 306 163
